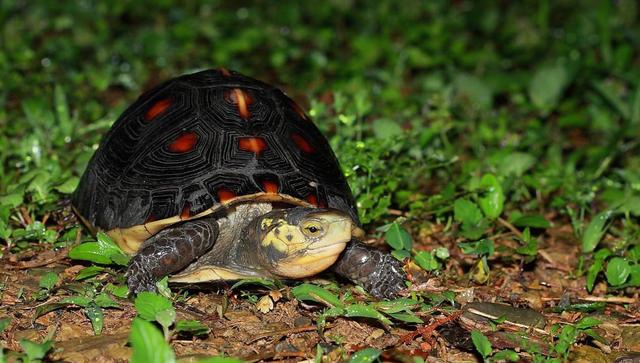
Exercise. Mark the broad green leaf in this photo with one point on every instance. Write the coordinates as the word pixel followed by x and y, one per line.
pixel 367 355
pixel 96 317
pixel 442 253
pixel 467 212
pixel 516 163
pixel 88 272
pixel 587 322
pixel 90 251
pixel 398 238
pixel 595 230
pixel 533 221
pixel 192 327
pixel 547 85
pixel 148 344
pixel 309 292
pixel 149 304
pixel 482 344
pixel 426 261
pixel 166 317
pixel 35 351
pixel 472 92
pixel 505 355
pixel 48 280
pixel 492 200
pixel 104 301
pixel 385 128
pixel 618 270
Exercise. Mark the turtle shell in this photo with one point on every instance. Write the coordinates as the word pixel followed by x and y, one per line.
pixel 201 142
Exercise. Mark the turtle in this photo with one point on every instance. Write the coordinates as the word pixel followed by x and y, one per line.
pixel 216 176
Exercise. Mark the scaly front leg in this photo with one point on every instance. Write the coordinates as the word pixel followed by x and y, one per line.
pixel 170 250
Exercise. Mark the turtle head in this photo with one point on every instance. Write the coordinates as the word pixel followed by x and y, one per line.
pixel 299 242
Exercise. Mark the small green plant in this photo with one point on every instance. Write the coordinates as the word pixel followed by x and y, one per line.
pixel 483 346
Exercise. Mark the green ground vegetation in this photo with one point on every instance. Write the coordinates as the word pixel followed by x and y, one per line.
pixel 473 116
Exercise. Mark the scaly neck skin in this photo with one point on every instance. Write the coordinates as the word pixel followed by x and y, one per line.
pixel 247 253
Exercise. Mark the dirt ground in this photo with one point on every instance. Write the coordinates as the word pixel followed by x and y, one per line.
pixel 288 332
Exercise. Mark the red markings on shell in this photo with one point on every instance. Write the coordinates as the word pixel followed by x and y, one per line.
pixel 186 211
pixel 158 108
pixel 225 72
pixel 312 199
pixel 225 195
pixel 269 186
pixel 184 143
pixel 255 145
pixel 302 143
pixel 241 99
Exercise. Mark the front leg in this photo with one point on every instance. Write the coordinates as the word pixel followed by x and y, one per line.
pixel 377 271
pixel 170 250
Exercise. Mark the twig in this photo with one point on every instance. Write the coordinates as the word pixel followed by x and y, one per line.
pixel 510 227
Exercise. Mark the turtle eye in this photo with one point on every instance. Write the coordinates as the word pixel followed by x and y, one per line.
pixel 312 229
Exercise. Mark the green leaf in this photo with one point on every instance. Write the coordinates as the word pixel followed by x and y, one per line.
pixel 96 317
pixel 309 292
pixel 533 221
pixel 426 261
pixel 76 300
pixel 587 322
pixel 482 344
pixel 104 251
pixel 366 355
pixel 365 311
pixel 166 317
pixel 396 305
pixel 442 253
pixel 385 128
pixel 547 85
pixel 505 355
pixel 406 317
pixel 192 327
pixel 595 231
pixel 149 304
pixel 516 163
pixel 35 351
pixel 48 280
pixel 104 301
pixel 88 272
pixel 4 323
pixel 268 283
pixel 118 291
pixel 90 251
pixel 398 238
pixel 618 270
pixel 592 273
pixel 471 91
pixel 466 212
pixel 492 201
pixel 148 344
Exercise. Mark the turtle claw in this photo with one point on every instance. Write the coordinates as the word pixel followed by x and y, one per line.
pixel 378 272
